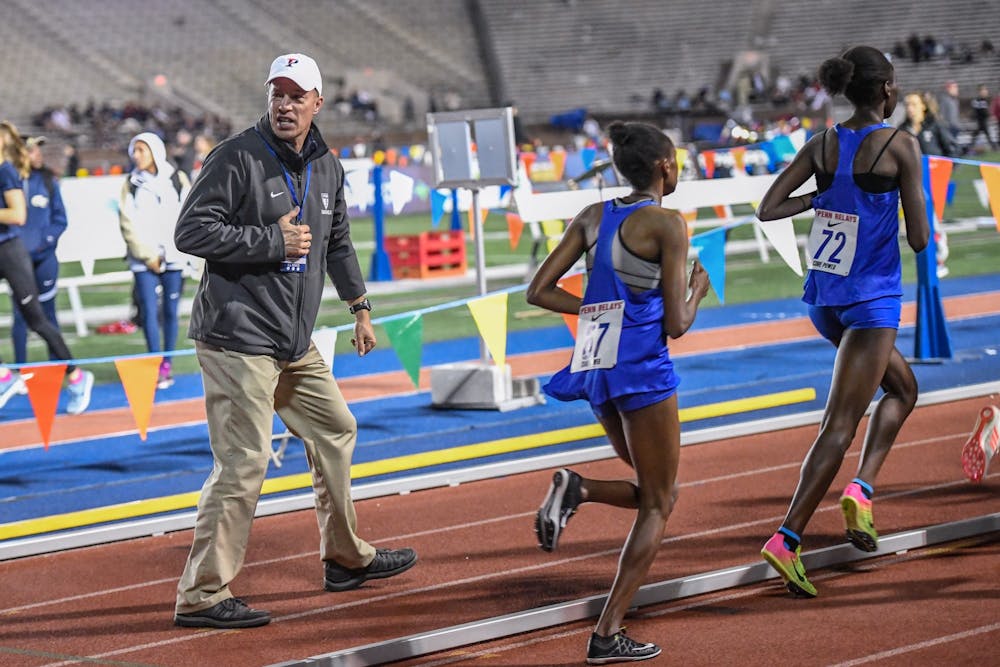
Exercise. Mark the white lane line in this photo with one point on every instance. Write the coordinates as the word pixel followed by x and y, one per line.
pixel 521 515
pixel 919 646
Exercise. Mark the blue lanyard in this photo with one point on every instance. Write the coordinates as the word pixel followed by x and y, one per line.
pixel 288 179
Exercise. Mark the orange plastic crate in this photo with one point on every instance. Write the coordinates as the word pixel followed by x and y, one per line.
pixel 427 255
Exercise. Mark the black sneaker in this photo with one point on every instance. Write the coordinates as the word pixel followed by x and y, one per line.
pixel 618 648
pixel 230 613
pixel 387 563
pixel 559 505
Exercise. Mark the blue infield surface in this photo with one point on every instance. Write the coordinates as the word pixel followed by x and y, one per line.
pixel 116 469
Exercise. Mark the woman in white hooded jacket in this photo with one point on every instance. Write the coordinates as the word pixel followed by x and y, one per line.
pixel 150 203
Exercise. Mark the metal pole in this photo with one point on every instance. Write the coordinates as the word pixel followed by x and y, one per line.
pixel 477 224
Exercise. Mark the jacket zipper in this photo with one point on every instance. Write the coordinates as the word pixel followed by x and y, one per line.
pixel 299 289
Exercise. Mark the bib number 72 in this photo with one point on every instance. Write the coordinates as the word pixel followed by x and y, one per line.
pixel 833 242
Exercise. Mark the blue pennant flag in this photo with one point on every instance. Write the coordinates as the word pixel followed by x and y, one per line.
pixel 711 247
pixel 437 206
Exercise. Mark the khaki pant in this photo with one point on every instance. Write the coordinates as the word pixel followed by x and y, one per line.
pixel 242 392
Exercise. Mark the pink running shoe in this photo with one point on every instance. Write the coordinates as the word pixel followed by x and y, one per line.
pixel 982 445
pixel 858 522
pixel 788 565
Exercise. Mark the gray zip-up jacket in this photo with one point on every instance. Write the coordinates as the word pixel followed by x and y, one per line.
pixel 244 302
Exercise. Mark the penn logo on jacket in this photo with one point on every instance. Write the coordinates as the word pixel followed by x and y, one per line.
pixel 325 196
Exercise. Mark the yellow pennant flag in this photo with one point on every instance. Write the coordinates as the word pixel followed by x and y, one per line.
pixel 558 160
pixel 44 384
pixel 682 156
pixel 490 314
pixel 139 377
pixel 991 177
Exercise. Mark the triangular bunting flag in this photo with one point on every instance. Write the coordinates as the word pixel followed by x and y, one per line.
pixel 406 335
pixel 991 177
pixel 587 155
pixel 940 176
pixel 739 159
pixel 574 285
pixel 325 341
pixel 438 199
pixel 139 376
pixel 781 234
pixel 711 247
pixel 558 160
pixel 490 314
pixel 44 384
pixel 709 157
pixel 515 225
pixel 682 156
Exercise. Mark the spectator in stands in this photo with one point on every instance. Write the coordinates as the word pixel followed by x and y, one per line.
pixel 151 200
pixel 45 223
pixel 16 269
pixel 948 106
pixel 72 157
pixel 262 198
pixel 981 114
pixel 995 112
pixel 203 145
pixel 921 122
pixel 863 170
pixel 636 253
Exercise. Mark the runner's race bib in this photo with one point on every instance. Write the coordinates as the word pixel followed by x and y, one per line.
pixel 597 334
pixel 833 242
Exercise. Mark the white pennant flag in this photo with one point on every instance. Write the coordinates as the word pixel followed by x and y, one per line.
pixel 781 234
pixel 326 342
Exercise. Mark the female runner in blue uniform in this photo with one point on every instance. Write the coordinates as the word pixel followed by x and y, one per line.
pixel 863 168
pixel 636 296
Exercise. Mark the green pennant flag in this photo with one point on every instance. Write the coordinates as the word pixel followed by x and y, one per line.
pixel 406 335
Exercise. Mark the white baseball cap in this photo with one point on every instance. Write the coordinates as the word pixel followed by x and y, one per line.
pixel 300 68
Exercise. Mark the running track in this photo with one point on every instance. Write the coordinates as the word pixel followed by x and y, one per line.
pixel 112 604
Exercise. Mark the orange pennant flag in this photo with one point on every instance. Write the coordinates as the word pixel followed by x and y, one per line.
pixel 991 177
pixel 940 176
pixel 738 158
pixel 720 211
pixel 689 218
pixel 515 225
pixel 44 384
pixel 472 221
pixel 574 285
pixel 709 163
pixel 139 377
pixel 558 160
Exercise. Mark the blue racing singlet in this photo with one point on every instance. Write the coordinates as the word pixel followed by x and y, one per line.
pixel 642 362
pixel 853 251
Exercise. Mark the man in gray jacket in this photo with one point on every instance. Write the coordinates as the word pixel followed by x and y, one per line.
pixel 268 215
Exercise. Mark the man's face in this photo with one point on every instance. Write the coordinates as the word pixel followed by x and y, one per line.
pixel 291 110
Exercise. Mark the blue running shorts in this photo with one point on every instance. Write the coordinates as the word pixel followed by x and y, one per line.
pixel 832 321
pixel 630 402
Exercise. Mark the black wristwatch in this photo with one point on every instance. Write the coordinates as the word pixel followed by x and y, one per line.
pixel 364 304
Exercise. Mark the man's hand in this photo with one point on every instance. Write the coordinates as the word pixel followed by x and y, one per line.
pixel 298 238
pixel 364 334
